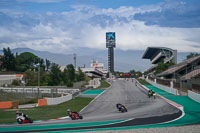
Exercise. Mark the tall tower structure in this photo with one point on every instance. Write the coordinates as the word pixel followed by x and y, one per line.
pixel 74 61
pixel 110 44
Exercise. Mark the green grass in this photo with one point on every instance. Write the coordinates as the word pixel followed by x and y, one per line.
pixel 46 112
pixel 143 82
pixel 104 84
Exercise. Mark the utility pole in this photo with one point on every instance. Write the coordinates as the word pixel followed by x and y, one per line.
pixel 39 73
pixel 74 61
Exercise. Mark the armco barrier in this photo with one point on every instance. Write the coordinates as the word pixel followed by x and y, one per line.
pixel 194 96
pixel 162 87
pixel 58 100
pixel 42 102
pixel 8 105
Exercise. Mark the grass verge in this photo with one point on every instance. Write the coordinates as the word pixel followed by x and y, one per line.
pixel 46 112
pixel 104 84
pixel 143 82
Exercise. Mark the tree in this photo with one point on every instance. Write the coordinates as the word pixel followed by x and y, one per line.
pixel 163 66
pixel 55 75
pixel 192 55
pixel 25 61
pixel 80 75
pixel 48 63
pixel 65 76
pixel 31 78
pixel 8 60
pixel 71 72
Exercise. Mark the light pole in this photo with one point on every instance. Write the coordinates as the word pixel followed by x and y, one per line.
pixel 39 76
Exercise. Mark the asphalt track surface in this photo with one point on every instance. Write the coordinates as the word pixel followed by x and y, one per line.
pixel 141 109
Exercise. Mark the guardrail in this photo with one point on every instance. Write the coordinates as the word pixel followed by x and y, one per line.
pixel 194 96
pixel 162 87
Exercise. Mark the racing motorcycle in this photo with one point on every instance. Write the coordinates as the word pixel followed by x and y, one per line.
pixel 75 116
pixel 23 119
pixel 121 108
pixel 152 93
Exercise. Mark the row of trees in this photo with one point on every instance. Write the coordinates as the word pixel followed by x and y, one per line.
pixel 55 77
pixel 36 70
pixel 22 62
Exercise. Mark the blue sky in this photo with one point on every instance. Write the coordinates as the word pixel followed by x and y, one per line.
pixel 64 25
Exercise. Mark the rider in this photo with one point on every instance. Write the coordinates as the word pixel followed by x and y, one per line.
pixel 69 112
pixel 20 114
pixel 119 106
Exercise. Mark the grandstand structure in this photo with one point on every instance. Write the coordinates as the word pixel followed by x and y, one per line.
pixel 181 76
pixel 159 54
pixel 187 68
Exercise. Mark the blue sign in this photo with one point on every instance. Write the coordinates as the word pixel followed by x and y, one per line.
pixel 110 36
pixel 110 39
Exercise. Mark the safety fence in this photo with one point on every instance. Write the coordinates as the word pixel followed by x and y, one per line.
pixel 162 87
pixel 40 92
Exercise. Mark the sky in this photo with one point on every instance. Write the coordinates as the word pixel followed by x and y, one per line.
pixel 60 26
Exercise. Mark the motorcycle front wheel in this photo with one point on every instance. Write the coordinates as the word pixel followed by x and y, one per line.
pixel 19 121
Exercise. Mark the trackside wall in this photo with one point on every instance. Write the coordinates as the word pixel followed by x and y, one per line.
pixel 194 96
pixel 58 100
pixel 162 87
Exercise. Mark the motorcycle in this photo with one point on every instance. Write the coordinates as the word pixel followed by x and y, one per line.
pixel 121 108
pixel 75 116
pixel 152 93
pixel 23 119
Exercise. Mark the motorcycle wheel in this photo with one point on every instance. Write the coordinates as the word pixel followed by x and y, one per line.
pixel 73 117
pixel 81 117
pixel 20 121
pixel 30 120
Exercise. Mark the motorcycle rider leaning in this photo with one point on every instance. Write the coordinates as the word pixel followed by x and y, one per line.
pixel 69 112
pixel 21 114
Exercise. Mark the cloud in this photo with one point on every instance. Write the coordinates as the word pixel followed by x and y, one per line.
pixel 85 26
pixel 173 13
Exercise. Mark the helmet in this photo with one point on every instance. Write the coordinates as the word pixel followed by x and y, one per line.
pixel 17 112
pixel 68 110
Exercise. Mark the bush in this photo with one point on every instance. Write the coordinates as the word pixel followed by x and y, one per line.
pixel 69 84
pixel 16 83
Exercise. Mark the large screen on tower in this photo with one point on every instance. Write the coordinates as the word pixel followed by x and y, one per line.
pixel 110 39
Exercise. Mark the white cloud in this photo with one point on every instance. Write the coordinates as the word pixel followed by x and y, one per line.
pixel 86 27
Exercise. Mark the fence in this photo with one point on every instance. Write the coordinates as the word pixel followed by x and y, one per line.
pixel 39 92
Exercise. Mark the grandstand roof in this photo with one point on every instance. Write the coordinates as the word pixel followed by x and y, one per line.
pixel 151 51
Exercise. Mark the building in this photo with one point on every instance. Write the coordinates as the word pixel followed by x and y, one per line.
pixel 181 69
pixel 96 70
pixel 110 44
pixel 160 54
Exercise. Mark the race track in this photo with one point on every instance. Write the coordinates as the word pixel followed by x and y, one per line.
pixel 141 109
